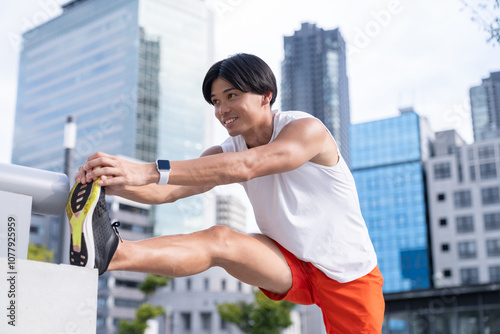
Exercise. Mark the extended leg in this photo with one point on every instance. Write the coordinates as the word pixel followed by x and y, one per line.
pixel 253 259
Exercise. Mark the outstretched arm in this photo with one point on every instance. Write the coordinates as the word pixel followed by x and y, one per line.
pixel 150 193
pixel 300 141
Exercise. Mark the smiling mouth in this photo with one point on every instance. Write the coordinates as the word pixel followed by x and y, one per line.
pixel 229 121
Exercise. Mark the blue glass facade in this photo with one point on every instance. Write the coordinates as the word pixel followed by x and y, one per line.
pixel 81 63
pixel 386 162
pixel 130 73
pixel 184 33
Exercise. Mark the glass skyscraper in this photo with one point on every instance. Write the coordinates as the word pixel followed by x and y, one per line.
pixel 485 108
pixel 386 160
pixel 130 72
pixel 314 79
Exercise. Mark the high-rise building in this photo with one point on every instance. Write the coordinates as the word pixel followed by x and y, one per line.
pixel 464 206
pixel 387 163
pixel 464 224
pixel 314 79
pixel 485 108
pixel 130 73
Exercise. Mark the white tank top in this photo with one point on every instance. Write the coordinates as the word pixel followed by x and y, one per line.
pixel 312 211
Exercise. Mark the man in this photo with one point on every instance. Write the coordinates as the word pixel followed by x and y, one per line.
pixel 314 247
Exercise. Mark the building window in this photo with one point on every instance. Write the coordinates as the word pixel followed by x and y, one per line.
pixel 240 286
pixel 206 320
pixel 442 171
pixel 102 301
pixel 472 171
pixel 120 302
pixel 462 199
pixel 469 276
pixel 447 273
pixel 223 324
pixel 443 222
pixel 186 320
pixel 101 322
pixel 445 247
pixel 492 221
pixel 188 284
pixel 493 247
pixel 223 285
pixel 470 153
pixel 102 282
pixel 488 171
pixel 486 152
pixel 494 274
pixel 206 284
pixel 126 283
pixel 490 196
pixel 467 250
pixel 441 197
pixel 465 224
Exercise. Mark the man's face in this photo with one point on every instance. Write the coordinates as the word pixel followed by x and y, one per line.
pixel 237 111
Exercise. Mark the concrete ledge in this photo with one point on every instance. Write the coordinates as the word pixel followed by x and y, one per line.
pixel 45 298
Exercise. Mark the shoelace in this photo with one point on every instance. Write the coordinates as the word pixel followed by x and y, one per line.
pixel 115 226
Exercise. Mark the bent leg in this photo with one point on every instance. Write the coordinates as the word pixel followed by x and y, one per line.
pixel 253 259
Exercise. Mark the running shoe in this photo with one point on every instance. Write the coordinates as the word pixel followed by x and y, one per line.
pixel 93 239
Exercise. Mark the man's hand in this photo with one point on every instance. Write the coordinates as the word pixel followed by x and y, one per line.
pixel 116 172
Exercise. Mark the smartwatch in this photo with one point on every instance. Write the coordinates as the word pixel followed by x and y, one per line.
pixel 163 167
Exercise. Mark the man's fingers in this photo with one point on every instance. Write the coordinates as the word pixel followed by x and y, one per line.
pixel 80 176
pixel 92 163
pixel 110 181
pixel 98 155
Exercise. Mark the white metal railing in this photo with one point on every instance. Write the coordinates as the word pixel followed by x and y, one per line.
pixel 48 190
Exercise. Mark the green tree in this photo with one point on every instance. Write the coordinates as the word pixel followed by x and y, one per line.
pixel 142 315
pixel 145 312
pixel 153 282
pixel 486 13
pixel 263 316
pixel 40 253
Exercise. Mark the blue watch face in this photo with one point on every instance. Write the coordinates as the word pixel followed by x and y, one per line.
pixel 163 164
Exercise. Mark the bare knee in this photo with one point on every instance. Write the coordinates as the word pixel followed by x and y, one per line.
pixel 224 239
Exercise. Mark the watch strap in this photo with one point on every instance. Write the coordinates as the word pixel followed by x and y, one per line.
pixel 164 171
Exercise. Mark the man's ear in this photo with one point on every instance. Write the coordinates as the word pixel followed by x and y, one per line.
pixel 267 97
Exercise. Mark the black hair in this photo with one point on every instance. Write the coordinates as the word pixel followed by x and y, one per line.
pixel 245 72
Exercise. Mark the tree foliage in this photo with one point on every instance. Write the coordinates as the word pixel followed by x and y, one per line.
pixel 40 253
pixel 142 315
pixel 145 312
pixel 153 282
pixel 263 316
pixel 486 13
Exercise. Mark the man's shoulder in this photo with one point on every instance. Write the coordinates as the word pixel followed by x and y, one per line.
pixel 293 114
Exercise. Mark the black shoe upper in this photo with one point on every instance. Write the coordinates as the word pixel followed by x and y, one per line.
pixel 105 238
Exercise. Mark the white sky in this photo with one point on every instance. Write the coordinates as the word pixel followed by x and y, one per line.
pixel 401 52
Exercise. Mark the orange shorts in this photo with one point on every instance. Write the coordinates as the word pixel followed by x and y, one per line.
pixel 353 307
